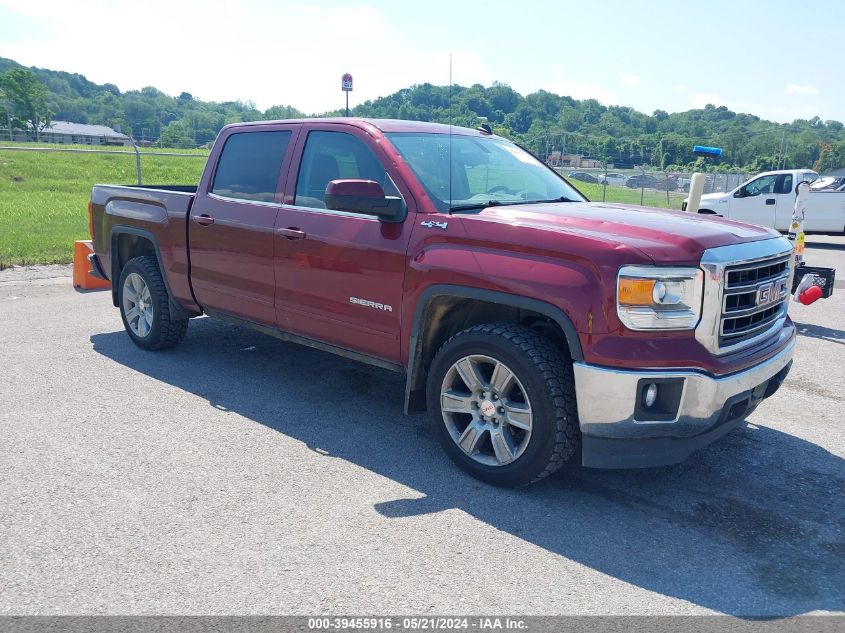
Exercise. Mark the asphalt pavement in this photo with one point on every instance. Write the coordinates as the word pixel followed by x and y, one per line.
pixel 238 474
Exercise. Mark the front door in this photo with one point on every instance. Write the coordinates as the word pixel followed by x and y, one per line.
pixel 231 232
pixel 339 274
pixel 759 204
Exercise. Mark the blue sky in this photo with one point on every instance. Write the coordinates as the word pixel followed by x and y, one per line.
pixel 774 59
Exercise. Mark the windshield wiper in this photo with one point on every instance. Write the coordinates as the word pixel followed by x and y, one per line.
pixel 509 203
pixel 478 205
pixel 561 199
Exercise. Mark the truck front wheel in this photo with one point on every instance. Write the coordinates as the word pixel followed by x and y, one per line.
pixel 145 306
pixel 502 401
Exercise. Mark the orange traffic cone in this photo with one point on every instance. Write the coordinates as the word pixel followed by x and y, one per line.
pixel 82 277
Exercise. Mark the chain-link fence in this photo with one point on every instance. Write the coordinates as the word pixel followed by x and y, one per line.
pixel 603 171
pixel 642 185
pixel 129 163
pixel 598 180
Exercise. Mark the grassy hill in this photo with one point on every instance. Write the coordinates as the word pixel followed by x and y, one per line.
pixel 541 120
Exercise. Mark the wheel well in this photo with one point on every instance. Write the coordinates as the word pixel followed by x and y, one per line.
pixel 445 316
pixel 127 246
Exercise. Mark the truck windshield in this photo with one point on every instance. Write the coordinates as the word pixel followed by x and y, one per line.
pixel 485 171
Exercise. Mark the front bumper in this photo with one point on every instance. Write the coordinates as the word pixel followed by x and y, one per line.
pixel 618 431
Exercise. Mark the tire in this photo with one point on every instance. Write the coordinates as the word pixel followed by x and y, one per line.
pixel 542 384
pixel 150 325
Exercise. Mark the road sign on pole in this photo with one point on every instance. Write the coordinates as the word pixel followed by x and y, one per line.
pixel 346 86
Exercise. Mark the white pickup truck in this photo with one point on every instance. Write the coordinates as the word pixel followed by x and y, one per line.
pixel 768 199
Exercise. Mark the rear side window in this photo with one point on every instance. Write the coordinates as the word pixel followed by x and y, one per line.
pixel 249 166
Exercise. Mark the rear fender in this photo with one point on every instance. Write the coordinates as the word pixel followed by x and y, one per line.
pixel 115 266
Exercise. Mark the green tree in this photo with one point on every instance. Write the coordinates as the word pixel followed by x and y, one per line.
pixel 28 100
pixel 278 112
pixel 176 134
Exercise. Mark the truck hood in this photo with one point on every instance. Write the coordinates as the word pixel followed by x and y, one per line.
pixel 664 236
pixel 713 196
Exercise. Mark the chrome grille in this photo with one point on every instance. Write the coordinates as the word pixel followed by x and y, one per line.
pixel 746 293
pixel 755 297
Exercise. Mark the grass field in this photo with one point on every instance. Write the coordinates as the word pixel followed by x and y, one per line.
pixel 651 198
pixel 44 195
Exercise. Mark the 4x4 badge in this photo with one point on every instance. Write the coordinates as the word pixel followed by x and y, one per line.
pixel 430 224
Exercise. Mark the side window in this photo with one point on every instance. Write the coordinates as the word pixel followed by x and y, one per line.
pixel 762 185
pixel 786 185
pixel 331 156
pixel 249 166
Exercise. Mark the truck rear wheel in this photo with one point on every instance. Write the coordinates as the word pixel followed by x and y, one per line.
pixel 145 306
pixel 502 402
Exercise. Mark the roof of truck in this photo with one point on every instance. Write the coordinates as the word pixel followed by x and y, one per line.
pixel 385 125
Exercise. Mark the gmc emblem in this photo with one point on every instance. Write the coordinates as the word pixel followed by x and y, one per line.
pixel 770 292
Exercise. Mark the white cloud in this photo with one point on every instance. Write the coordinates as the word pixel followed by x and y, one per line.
pixel 629 79
pixel 798 89
pixel 703 98
pixel 765 110
pixel 295 54
pixel 582 90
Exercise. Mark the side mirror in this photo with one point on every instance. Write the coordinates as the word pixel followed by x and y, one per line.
pixel 739 193
pixel 364 196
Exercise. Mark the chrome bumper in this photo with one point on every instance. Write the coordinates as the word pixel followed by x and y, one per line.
pixel 619 432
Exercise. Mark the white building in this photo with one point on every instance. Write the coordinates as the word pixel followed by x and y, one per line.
pixel 76 133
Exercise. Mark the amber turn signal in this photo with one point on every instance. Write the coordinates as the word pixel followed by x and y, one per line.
pixel 636 292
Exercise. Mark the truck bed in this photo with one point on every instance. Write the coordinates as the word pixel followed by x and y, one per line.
pixel 158 212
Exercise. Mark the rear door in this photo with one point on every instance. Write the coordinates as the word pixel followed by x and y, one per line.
pixel 825 212
pixel 339 274
pixel 231 232
pixel 759 204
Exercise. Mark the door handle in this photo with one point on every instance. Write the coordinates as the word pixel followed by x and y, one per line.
pixel 770 201
pixel 203 219
pixel 292 233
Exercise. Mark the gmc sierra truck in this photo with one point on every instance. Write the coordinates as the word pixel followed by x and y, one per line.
pixel 537 328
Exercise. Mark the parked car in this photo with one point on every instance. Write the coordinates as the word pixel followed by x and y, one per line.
pixel 683 182
pixel 768 200
pixel 638 181
pixel 612 178
pixel 536 327
pixel 583 176
pixel 667 184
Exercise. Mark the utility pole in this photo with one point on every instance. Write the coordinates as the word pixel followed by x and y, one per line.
pixel 9 121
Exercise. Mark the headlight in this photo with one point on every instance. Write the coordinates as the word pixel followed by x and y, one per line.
pixel 654 298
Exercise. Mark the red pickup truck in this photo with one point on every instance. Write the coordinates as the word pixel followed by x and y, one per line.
pixel 536 327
